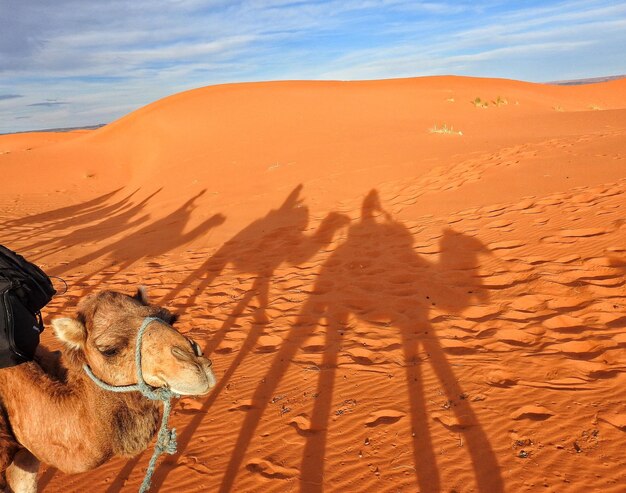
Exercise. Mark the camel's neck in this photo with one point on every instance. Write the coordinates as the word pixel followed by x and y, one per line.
pixel 130 419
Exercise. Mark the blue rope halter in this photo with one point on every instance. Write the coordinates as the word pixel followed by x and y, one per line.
pixel 166 438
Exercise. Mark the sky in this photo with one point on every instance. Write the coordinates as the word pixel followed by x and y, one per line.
pixel 68 63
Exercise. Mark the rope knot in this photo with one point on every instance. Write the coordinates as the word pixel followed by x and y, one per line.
pixel 167 441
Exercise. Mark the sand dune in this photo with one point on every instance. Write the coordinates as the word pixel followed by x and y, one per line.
pixel 388 308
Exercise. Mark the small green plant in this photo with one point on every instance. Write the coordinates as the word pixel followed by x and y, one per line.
pixel 479 103
pixel 500 101
pixel 444 129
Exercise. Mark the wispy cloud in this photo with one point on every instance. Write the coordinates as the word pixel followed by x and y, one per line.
pixel 49 104
pixel 79 63
pixel 9 96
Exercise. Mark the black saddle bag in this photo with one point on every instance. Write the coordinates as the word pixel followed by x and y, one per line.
pixel 24 290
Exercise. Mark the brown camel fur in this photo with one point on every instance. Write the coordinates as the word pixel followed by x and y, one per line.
pixel 54 413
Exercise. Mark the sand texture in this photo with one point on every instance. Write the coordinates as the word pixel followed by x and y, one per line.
pixel 388 308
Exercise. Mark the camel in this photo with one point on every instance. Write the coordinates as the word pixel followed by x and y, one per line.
pixel 53 412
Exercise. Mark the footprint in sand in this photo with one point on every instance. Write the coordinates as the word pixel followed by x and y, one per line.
pixel 596 369
pixel 382 316
pixel 506 245
pixel 268 343
pixel 243 405
pixel 617 420
pixel 582 349
pixel 226 347
pixel 608 282
pixel 315 344
pixel 583 232
pixel 501 281
pixel 558 240
pixel 458 347
pixel 609 261
pixel 190 405
pixel 566 302
pixel 268 469
pixel 522 205
pixel 493 208
pixel 385 416
pixel 611 319
pixel 302 424
pixel 194 464
pixel 515 337
pixel 529 303
pixel 535 413
pixel 454 423
pixel 564 323
pixel 568 259
pixel 481 312
pixel 364 356
pixel 527 316
pixel 502 223
pixel 500 378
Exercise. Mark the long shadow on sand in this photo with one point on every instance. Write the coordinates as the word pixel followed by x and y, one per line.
pixel 75 212
pixel 93 226
pixel 377 269
pixel 258 249
pixel 153 239
pixel 121 225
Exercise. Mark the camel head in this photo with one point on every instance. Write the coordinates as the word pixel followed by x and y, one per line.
pixel 103 335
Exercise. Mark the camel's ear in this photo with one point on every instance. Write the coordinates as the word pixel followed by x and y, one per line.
pixel 142 295
pixel 70 331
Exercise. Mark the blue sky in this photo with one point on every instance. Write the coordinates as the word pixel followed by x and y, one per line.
pixel 72 62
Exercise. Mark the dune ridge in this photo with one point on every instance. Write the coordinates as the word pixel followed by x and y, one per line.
pixel 387 308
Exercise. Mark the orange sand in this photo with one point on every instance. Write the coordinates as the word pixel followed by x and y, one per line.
pixel 389 309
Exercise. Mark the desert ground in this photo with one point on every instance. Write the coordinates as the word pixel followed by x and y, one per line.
pixel 412 285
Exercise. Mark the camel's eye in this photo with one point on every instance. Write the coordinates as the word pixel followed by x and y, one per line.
pixel 109 351
pixel 196 349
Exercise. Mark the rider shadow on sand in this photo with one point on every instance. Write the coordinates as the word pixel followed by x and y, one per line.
pixel 48 221
pixel 377 270
pixel 258 249
pixel 154 239
pixel 92 227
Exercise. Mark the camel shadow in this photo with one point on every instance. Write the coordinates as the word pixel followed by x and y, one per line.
pixel 377 270
pixel 90 226
pixel 155 238
pixel 76 213
pixel 258 249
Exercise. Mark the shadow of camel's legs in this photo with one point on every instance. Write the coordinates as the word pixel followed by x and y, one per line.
pixel 87 289
pixel 423 452
pixel 211 268
pixel 486 468
pixel 312 466
pixel 123 475
pixel 301 331
pixel 185 436
pixel 219 336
